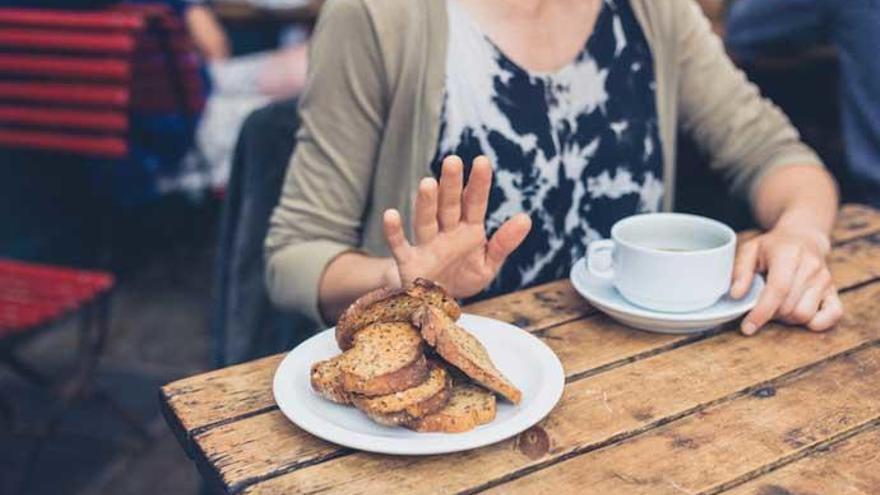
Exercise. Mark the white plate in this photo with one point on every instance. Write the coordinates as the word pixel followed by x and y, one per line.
pixel 602 294
pixel 522 357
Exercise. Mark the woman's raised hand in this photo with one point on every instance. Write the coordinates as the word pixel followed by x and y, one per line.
pixel 450 245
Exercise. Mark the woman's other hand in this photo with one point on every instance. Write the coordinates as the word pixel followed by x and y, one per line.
pixel 799 288
pixel 451 246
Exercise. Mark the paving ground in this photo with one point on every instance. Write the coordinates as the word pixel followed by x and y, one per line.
pixel 159 333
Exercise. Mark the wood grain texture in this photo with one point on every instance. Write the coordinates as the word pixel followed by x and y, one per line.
pixel 855 221
pixel 241 390
pixel 533 309
pixel 231 392
pixel 849 467
pixel 240 437
pixel 210 398
pixel 727 441
pixel 605 408
pixel 262 445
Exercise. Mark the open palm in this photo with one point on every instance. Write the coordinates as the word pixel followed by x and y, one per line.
pixel 451 246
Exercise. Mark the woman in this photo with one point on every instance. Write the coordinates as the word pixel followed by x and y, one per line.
pixel 576 102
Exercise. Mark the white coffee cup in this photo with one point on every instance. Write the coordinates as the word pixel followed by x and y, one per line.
pixel 670 262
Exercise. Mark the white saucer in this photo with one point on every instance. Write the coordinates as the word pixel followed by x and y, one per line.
pixel 602 294
pixel 526 360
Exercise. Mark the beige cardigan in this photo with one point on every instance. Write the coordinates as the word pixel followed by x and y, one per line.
pixel 370 121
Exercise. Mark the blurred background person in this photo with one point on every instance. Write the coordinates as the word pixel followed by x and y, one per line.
pixel 780 28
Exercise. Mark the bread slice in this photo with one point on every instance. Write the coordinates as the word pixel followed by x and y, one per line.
pixel 468 407
pixel 386 358
pixel 461 349
pixel 388 305
pixel 407 405
pixel 327 380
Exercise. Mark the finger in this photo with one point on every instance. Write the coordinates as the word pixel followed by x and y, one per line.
pixel 807 276
pixel 780 274
pixel 425 219
pixel 507 238
pixel 476 193
pixel 829 314
pixel 807 307
pixel 450 192
pixel 744 269
pixel 393 227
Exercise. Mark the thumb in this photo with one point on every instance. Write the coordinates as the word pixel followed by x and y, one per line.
pixel 507 238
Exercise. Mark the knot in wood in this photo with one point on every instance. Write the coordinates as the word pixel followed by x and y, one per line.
pixel 534 442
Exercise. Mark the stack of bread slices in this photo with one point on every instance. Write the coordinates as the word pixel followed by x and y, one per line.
pixel 406 363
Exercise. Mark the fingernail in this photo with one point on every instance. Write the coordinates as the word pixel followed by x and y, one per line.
pixel 749 328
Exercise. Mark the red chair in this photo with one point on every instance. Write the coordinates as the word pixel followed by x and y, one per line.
pixel 32 298
pixel 70 80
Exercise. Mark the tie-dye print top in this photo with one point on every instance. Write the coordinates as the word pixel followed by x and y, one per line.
pixel 576 149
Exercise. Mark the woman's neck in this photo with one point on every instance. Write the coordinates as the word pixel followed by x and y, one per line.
pixel 539 35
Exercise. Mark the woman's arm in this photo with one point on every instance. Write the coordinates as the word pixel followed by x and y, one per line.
pixel 450 244
pixel 326 189
pixel 753 144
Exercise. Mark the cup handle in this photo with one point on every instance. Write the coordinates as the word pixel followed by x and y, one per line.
pixel 599 258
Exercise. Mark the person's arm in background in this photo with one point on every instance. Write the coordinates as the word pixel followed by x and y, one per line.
pixel 756 148
pixel 763 27
pixel 207 33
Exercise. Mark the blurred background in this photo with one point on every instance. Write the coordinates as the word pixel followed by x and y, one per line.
pixel 135 181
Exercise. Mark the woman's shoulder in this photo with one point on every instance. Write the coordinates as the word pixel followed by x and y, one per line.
pixel 664 19
pixel 379 13
pixel 395 30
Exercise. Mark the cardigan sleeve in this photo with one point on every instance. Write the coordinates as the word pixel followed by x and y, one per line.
pixel 745 135
pixel 326 189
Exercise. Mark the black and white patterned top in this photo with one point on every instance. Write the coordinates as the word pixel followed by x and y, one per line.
pixel 576 149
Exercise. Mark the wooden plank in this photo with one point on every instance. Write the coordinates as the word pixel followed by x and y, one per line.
pixel 231 392
pixel 267 444
pixel 850 467
pixel 239 390
pixel 211 397
pixel 855 221
pixel 282 447
pixel 731 440
pixel 204 399
pixel 65 142
pixel 594 411
pixel 536 308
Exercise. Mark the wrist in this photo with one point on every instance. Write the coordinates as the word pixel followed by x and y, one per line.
pixel 802 223
pixel 390 274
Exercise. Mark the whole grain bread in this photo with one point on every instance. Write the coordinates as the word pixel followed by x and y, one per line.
pixel 389 305
pixel 468 407
pixel 385 358
pixel 461 349
pixel 326 378
pixel 398 408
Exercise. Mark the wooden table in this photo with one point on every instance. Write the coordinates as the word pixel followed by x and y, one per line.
pixel 786 412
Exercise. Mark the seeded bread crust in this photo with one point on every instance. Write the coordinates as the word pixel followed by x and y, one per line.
pixel 389 305
pixel 409 400
pixel 461 349
pixel 469 406
pixel 412 413
pixel 326 378
pixel 386 358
